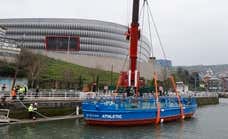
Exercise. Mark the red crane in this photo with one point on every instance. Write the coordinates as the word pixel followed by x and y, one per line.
pixel 131 79
pixel 134 37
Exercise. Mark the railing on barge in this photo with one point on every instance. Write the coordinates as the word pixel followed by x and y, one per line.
pixel 131 103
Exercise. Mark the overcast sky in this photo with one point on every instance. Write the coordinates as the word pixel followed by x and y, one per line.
pixel 192 31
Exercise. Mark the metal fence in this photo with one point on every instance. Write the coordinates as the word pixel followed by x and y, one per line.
pixel 48 95
pixel 78 95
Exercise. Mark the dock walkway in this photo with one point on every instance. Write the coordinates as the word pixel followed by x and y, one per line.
pixel 26 121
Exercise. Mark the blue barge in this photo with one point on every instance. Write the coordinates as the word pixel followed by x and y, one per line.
pixel 136 111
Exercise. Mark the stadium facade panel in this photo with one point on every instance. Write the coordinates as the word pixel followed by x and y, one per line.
pixel 97 38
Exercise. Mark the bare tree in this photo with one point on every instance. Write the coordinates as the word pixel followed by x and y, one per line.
pixel 33 63
pixel 34 68
pixel 20 61
pixel 68 76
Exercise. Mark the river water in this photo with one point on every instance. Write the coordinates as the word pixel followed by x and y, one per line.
pixel 209 122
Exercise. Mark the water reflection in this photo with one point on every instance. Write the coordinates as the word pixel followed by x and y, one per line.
pixel 161 131
pixel 180 131
pixel 78 129
pixel 158 131
pixel 4 131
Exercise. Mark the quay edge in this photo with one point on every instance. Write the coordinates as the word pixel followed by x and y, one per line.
pixel 59 108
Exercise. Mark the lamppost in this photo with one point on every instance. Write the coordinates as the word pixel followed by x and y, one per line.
pixel 112 75
pixel 23 40
pixel 195 82
pixel 68 45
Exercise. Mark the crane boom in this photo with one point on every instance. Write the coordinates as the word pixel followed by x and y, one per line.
pixel 134 36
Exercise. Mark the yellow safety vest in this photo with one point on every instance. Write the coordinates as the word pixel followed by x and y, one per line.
pixel 21 90
pixel 30 109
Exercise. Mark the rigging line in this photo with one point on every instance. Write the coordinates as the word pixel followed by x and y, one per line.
pixel 142 8
pixel 127 24
pixel 152 48
pixel 127 13
pixel 125 61
pixel 159 39
pixel 156 30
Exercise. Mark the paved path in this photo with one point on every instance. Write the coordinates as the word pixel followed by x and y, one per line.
pixel 25 121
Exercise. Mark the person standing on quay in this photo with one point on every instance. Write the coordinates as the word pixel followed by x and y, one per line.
pixel 30 110
pixel 21 93
pixel 13 94
pixel 34 110
pixel 3 87
pixel 37 92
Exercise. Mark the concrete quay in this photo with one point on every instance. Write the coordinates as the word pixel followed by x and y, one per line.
pixel 201 101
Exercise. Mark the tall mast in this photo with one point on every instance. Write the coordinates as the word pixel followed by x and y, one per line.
pixel 134 36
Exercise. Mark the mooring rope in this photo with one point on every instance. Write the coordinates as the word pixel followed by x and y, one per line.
pixel 40 113
pixel 33 111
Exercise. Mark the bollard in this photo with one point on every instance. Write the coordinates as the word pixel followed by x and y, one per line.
pixel 65 95
pixel 77 110
pixel 49 95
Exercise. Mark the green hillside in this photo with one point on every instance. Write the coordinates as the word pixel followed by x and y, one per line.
pixel 56 70
pixel 46 72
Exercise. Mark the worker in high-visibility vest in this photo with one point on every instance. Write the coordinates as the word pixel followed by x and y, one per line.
pixel 21 93
pixel 30 110
pixel 21 89
pixel 25 90
pixel 35 105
